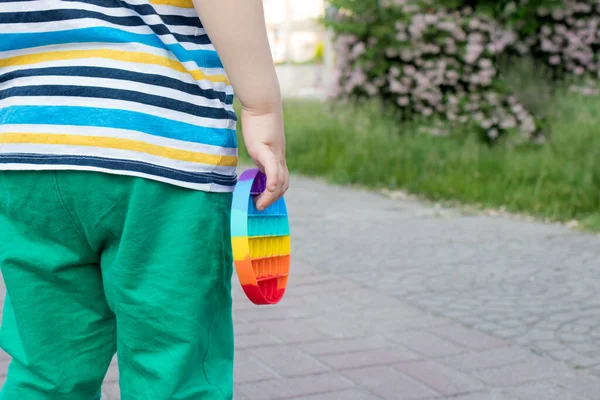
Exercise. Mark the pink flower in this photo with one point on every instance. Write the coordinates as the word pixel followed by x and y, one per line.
pixel 447 26
pixel 528 125
pixel 558 14
pixel 406 55
pixel 410 70
pixel 357 78
pixel 391 52
pixel 476 38
pixel 411 8
pixel 560 29
pixel 485 63
pixel 379 82
pixel 474 24
pixel 459 34
pixel 546 30
pixel 403 101
pixel 431 49
pixel 397 87
pixel 473 53
pixel 358 50
pixel 554 60
pixel 371 89
pixel 493 133
pixel 431 19
pixel 487 124
pixel 509 123
pixel 517 108
pixel 401 37
pixel 588 91
pixel 549 46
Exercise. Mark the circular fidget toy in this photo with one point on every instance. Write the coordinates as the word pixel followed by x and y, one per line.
pixel 261 241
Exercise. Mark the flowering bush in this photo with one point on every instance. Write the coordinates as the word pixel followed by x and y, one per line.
pixel 562 34
pixel 569 37
pixel 430 62
pixel 442 61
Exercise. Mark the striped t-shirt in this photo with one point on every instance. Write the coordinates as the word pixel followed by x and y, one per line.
pixel 130 87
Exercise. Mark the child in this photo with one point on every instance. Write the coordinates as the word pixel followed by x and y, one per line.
pixel 117 163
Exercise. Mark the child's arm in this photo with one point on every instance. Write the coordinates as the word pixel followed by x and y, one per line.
pixel 238 31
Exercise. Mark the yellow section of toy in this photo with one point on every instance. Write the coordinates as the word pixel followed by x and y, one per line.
pixel 262 247
pixel 241 251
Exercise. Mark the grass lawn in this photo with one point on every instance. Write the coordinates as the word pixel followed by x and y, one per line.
pixel 559 181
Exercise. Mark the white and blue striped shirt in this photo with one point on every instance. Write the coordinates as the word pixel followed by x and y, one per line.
pixel 130 87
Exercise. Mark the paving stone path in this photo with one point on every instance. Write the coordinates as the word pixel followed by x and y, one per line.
pixel 533 284
pixel 397 300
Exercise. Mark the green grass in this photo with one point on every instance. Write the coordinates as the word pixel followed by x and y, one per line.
pixel 559 181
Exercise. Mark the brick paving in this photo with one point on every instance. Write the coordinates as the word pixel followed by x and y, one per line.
pixel 362 319
pixel 533 284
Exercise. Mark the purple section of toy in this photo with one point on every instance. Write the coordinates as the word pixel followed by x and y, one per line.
pixel 260 184
pixel 246 220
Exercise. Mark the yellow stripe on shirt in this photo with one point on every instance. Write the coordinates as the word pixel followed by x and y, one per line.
pixel 173 3
pixel 119 144
pixel 117 55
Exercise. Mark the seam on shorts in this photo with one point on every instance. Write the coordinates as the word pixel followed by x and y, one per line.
pixel 100 223
pixel 5 189
pixel 223 259
pixel 225 248
pixel 64 205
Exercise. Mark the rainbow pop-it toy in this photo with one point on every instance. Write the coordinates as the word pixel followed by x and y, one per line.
pixel 261 241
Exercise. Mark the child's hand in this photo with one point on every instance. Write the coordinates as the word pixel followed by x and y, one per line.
pixel 248 61
pixel 265 140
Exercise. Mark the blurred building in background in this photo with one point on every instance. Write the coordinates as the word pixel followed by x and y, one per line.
pixel 294 29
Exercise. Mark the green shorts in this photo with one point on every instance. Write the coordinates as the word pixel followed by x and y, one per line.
pixel 96 264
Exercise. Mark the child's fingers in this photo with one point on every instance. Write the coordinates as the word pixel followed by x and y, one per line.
pixel 272 171
pixel 269 197
pixel 266 198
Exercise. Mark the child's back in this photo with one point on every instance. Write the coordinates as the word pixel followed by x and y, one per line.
pixel 119 86
pixel 118 153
